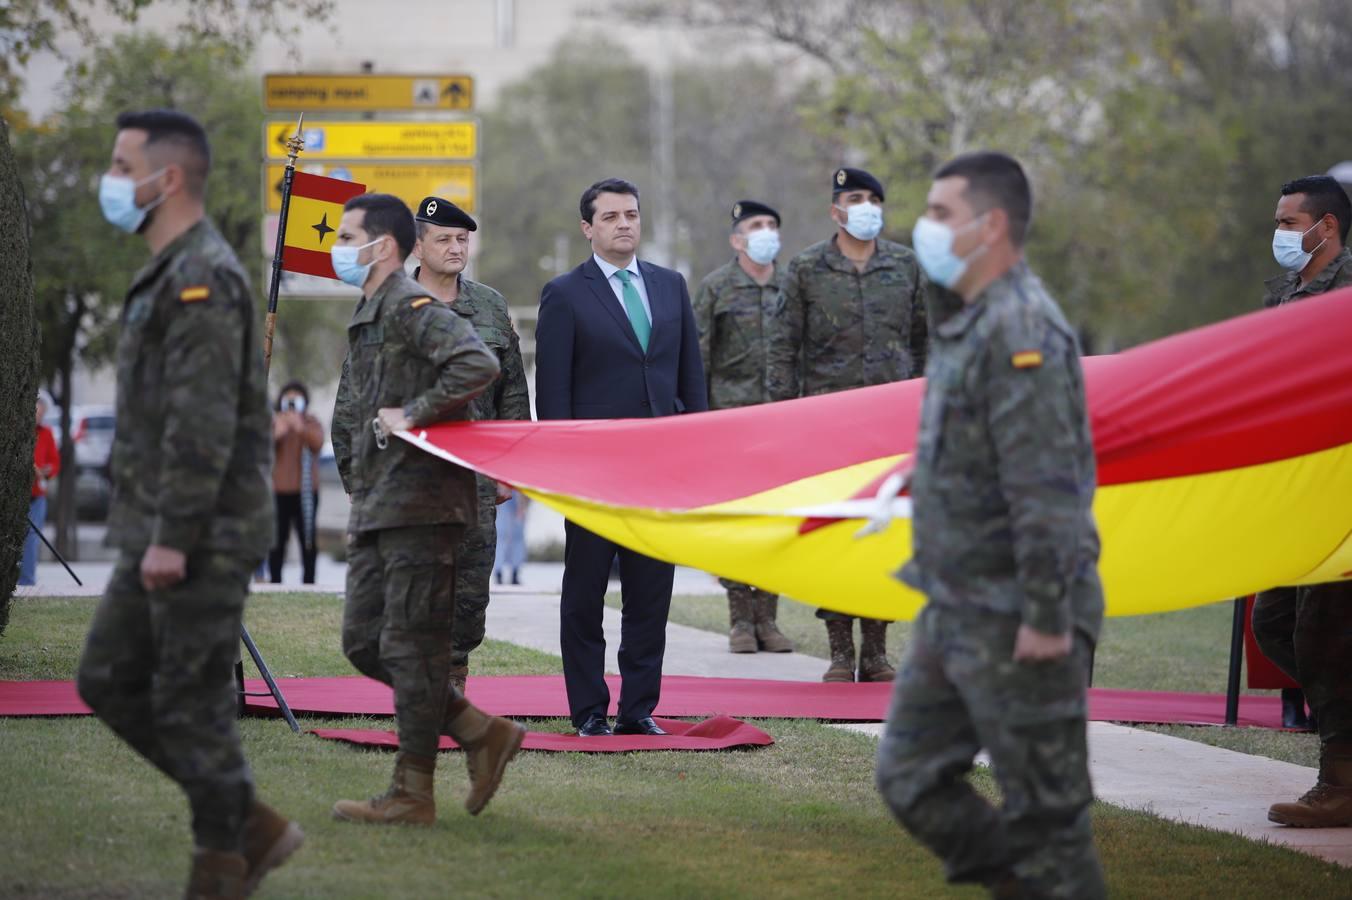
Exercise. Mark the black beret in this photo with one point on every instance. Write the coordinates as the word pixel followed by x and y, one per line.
pixel 847 179
pixel 436 211
pixel 745 209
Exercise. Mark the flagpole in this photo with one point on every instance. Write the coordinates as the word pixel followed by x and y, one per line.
pixel 294 145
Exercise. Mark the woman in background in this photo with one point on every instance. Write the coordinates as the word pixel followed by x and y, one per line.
pixel 511 554
pixel 46 464
pixel 297 436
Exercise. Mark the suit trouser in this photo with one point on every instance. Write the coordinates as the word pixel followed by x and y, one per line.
pixel 290 514
pixel 398 618
pixel 158 669
pixel 473 571
pixel 1307 632
pixel 959 690
pixel 645 591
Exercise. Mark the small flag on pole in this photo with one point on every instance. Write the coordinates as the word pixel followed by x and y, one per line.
pixel 312 222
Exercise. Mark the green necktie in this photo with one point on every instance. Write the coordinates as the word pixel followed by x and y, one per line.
pixel 633 305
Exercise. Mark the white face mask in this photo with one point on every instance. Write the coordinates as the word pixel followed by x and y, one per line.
pixel 1288 248
pixel 863 221
pixel 762 245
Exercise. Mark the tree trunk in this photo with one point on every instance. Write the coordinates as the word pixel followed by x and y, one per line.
pixel 18 372
pixel 67 541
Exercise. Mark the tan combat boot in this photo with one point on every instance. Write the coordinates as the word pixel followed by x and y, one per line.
pixel 216 875
pixel 840 633
pixel 269 839
pixel 409 800
pixel 742 617
pixel 1329 803
pixel 768 635
pixel 459 675
pixel 489 742
pixel 873 664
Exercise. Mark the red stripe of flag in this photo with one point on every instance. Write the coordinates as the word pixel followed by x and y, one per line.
pixel 330 190
pixel 307 262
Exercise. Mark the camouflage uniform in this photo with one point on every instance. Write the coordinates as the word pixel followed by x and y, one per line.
pixel 839 328
pixel 409 508
pixel 733 314
pixel 1307 631
pixel 509 399
pixel 1004 536
pixel 191 465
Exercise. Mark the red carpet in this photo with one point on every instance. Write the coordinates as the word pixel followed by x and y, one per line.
pixel 718 733
pixel 542 696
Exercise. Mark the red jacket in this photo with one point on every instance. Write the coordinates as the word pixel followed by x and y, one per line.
pixel 45 457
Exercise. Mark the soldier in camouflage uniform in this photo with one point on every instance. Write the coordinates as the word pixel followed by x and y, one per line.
pixel 732 311
pixel 1307 631
pixel 410 362
pixel 191 514
pixel 443 250
pixel 1006 550
pixel 852 313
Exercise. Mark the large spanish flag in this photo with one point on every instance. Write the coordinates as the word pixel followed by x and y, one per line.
pixel 312 221
pixel 1224 454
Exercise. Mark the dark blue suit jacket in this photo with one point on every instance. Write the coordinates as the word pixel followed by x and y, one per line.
pixel 588 364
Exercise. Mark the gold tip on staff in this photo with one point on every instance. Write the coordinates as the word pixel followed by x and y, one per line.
pixel 294 145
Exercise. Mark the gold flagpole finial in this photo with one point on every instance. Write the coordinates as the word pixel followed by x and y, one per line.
pixel 296 143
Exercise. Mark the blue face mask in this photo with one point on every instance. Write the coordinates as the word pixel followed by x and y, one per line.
pixel 1288 248
pixel 762 246
pixel 933 243
pixel 346 267
pixel 863 221
pixel 117 199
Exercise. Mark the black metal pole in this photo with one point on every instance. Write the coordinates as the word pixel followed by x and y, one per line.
pixel 1236 661
pixel 267 677
pixel 59 557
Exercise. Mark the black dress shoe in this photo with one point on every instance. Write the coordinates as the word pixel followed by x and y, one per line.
pixel 595 726
pixel 1293 709
pixel 645 725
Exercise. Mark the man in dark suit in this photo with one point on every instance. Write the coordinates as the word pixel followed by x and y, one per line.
pixel 616 339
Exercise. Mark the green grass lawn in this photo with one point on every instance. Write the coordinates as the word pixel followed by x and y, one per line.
pixel 84 817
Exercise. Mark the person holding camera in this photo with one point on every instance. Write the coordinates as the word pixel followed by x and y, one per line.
pixel 296 437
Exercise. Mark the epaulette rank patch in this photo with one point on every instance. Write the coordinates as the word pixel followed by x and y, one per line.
pixel 1026 359
pixel 194 294
pixel 420 302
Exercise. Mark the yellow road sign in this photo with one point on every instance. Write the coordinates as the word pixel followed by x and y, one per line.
pixel 376 140
pixel 410 182
pixel 367 92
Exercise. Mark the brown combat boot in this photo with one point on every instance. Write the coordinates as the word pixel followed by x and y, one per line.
pixel 840 633
pixel 742 618
pixel 216 875
pixel 459 676
pixel 1329 803
pixel 768 635
pixel 489 742
pixel 409 800
pixel 269 839
pixel 873 664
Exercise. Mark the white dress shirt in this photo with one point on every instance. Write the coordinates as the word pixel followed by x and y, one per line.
pixel 635 278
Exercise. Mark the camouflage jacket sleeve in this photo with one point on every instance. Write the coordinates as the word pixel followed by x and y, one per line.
pixel 513 394
pixel 920 304
pixel 704 324
pixel 465 366
pixel 205 360
pixel 1037 423
pixel 344 413
pixel 784 344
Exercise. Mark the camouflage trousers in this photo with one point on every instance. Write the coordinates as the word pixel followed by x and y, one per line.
pixel 158 669
pixel 829 615
pixel 739 591
pixel 398 619
pixel 1307 632
pixel 473 571
pixel 959 690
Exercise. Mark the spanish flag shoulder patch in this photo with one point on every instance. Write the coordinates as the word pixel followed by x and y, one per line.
pixel 1026 359
pixel 194 294
pixel 420 302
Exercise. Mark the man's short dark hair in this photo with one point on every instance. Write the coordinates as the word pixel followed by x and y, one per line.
pixel 179 130
pixel 386 214
pixel 1324 196
pixel 994 180
pixel 606 186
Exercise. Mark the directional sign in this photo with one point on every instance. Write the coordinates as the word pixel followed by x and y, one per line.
pixel 410 182
pixel 376 140
pixel 368 92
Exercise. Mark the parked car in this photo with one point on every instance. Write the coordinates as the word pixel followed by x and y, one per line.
pixel 91 429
